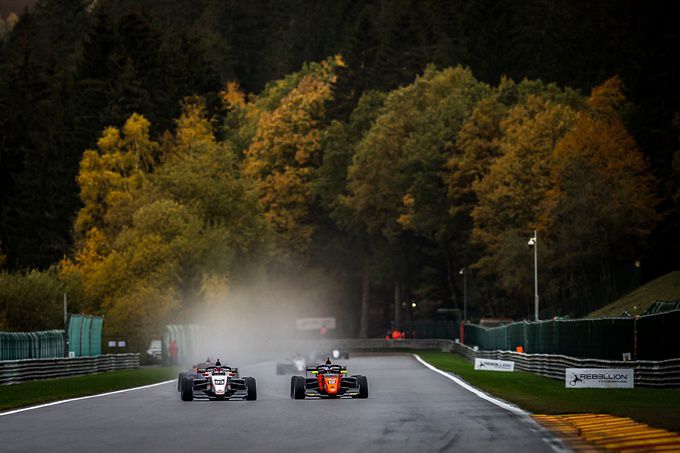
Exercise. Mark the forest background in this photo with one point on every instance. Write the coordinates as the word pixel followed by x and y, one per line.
pixel 157 156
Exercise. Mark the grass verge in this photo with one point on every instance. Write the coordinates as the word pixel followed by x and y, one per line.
pixel 656 407
pixel 43 391
pixel 666 287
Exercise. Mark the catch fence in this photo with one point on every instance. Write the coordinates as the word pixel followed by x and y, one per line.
pixel 650 337
pixel 32 345
pixel 84 340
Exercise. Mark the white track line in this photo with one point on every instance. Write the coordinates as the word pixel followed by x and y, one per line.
pixel 555 443
pixel 479 393
pixel 54 403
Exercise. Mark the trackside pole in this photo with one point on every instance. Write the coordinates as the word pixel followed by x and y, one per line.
pixel 65 326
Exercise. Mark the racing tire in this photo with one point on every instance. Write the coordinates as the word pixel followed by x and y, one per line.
pixel 297 384
pixel 251 389
pixel 362 381
pixel 187 390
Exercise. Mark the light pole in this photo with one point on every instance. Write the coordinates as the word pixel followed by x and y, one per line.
pixel 533 243
pixel 464 274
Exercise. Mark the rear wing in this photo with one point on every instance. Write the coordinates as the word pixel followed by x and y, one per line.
pixel 327 369
pixel 223 368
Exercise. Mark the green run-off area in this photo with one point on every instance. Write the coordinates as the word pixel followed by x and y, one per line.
pixel 656 407
pixel 43 391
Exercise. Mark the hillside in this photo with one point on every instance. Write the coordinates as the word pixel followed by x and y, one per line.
pixel 666 287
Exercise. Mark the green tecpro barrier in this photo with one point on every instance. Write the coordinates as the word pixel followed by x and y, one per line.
pixel 32 345
pixel 652 337
pixel 85 335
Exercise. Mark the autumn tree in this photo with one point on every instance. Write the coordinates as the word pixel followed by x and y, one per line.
pixel 158 229
pixel 284 155
pixel 395 178
pixel 602 200
pixel 349 238
pixel 510 195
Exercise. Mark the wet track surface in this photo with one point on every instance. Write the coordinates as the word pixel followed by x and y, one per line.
pixel 410 409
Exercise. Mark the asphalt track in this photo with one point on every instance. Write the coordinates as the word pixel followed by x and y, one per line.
pixel 410 409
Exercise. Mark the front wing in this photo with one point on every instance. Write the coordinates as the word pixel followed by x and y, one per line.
pixel 237 389
pixel 349 388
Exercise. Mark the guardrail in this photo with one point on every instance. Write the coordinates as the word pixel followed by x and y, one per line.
pixel 379 344
pixel 662 373
pixel 13 371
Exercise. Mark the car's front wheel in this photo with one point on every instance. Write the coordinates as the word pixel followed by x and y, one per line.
pixel 297 384
pixel 187 390
pixel 362 382
pixel 251 388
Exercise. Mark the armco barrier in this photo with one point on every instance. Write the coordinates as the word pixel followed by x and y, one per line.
pixel 663 373
pixel 13 371
pixel 380 344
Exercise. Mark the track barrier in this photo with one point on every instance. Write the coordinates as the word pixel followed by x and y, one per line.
pixel 650 337
pixel 648 373
pixel 14 371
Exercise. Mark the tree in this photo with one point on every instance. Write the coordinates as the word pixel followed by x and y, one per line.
pixel 602 201
pixel 349 238
pixel 395 179
pixel 283 157
pixel 510 195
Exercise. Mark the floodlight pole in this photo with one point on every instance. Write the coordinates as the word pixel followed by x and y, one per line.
pixel 535 239
pixel 464 274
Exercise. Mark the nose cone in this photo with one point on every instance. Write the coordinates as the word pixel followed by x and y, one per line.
pixel 332 384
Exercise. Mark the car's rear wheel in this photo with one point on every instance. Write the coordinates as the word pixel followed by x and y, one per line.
pixel 297 386
pixel 362 382
pixel 187 390
pixel 251 389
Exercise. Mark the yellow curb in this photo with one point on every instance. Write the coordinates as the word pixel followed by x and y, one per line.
pixel 598 432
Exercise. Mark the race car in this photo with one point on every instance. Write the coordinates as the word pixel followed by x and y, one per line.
pixel 296 363
pixel 328 381
pixel 215 382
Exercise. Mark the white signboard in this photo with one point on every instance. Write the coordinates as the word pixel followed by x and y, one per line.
pixel 314 323
pixel 608 378
pixel 494 365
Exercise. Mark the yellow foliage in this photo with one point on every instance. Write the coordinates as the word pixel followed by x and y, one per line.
pixel 606 98
pixel 281 159
pixel 110 175
pixel 339 61
pixel 599 171
pixel 232 96
pixel 193 126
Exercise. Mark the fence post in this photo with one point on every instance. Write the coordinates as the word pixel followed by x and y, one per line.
pixel 635 336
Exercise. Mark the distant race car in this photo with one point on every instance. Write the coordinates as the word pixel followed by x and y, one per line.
pixel 216 382
pixel 298 363
pixel 293 364
pixel 328 381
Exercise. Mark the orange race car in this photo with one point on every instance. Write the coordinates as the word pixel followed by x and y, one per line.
pixel 328 381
